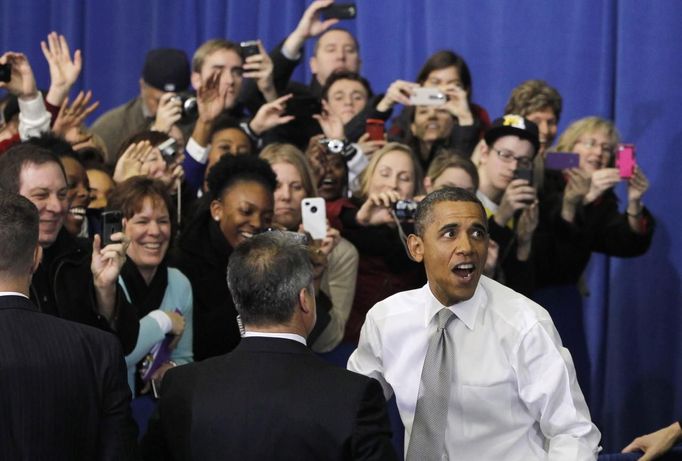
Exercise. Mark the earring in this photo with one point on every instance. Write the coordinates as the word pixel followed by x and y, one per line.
pixel 216 218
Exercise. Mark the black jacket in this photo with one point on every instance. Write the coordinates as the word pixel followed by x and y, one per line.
pixel 63 287
pixel 202 255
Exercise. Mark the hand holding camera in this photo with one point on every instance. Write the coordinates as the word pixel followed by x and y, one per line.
pixel 397 93
pixel 378 209
pixel 458 104
pixel 21 81
pixel 168 113
pixel 601 181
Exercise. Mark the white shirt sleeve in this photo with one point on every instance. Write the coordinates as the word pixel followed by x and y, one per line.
pixel 549 388
pixel 198 153
pixel 34 118
pixel 164 321
pixel 367 358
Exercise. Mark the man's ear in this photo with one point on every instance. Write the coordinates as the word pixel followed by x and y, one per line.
pixel 415 245
pixel 37 257
pixel 313 65
pixel 304 302
pixel 485 153
pixel 196 80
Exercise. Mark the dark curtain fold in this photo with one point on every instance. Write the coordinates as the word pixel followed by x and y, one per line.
pixel 616 59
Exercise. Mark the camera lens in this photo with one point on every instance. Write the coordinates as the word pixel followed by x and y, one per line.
pixel 313 209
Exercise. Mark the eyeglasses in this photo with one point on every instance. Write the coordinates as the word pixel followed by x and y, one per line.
pixel 508 156
pixel 606 149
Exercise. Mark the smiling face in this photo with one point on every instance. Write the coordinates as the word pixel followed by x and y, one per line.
pixel 45 186
pixel 453 247
pixel 346 98
pixel 595 150
pixel 288 195
pixel 243 210
pixel 394 171
pixel 149 232
pixel 334 178
pixel 432 123
pixel 78 193
pixel 100 186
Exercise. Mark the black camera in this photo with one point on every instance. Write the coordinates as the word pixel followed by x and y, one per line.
pixel 249 48
pixel 169 150
pixel 5 72
pixel 405 210
pixel 188 103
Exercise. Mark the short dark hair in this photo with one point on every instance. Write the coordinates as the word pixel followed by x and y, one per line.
pixel 423 217
pixel 17 157
pixel 55 144
pixel 225 121
pixel 345 75
pixel 231 169
pixel 266 274
pixel 442 60
pixel 18 233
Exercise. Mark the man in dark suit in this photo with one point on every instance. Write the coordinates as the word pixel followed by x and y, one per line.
pixel 63 388
pixel 271 398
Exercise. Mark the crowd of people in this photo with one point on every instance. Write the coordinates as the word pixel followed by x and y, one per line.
pixel 155 224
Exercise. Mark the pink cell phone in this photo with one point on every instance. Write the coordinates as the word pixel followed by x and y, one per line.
pixel 625 160
pixel 561 160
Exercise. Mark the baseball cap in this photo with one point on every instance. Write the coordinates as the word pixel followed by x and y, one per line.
pixel 512 124
pixel 166 69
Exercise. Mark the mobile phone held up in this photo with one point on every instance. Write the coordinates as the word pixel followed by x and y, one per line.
pixel 562 160
pixel 339 11
pixel 427 97
pixel 314 215
pixel 625 160
pixel 375 129
pixel 5 72
pixel 112 222
pixel 249 48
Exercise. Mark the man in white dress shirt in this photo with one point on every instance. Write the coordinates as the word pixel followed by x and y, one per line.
pixel 513 393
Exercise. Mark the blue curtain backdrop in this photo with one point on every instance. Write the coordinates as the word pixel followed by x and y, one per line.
pixel 616 59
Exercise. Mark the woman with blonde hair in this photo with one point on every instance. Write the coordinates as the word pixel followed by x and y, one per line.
pixel 392 178
pixel 337 259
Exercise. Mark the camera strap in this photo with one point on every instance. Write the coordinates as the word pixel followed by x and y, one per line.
pixel 401 234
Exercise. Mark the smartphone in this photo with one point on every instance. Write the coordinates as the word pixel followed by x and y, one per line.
pixel 169 149
pixel 561 160
pixel 427 97
pixel 314 215
pixel 303 106
pixel 112 222
pixel 339 11
pixel 625 160
pixel 524 173
pixel 375 128
pixel 5 72
pixel 249 48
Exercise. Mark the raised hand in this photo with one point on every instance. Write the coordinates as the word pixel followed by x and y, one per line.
pixel 64 70
pixel 131 162
pixel 259 67
pixel 168 113
pixel 271 115
pixel 377 209
pixel 74 115
pixel 601 181
pixel 458 104
pixel 310 25
pixel 397 93
pixel 518 196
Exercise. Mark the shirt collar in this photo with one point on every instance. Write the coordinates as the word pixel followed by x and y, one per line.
pixel 291 336
pixel 466 311
pixel 490 206
pixel 13 293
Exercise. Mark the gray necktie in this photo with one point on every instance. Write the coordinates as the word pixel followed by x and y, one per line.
pixel 427 439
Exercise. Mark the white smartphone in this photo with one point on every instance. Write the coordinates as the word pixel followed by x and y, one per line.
pixel 427 97
pixel 314 217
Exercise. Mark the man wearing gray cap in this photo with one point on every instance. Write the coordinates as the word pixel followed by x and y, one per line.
pixel 166 70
